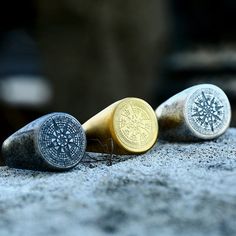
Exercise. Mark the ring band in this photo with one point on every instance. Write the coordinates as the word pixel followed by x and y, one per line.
pixel 52 142
pixel 130 123
pixel 199 112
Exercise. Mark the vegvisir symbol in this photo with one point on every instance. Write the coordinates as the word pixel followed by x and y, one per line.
pixel 135 124
pixel 208 111
pixel 62 140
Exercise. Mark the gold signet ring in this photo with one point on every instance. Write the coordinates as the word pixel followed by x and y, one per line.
pixel 129 125
pixel 199 112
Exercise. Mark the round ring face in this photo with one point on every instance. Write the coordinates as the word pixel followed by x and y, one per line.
pixel 62 141
pixel 208 112
pixel 135 125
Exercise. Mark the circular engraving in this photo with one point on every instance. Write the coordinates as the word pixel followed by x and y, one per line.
pixel 208 111
pixel 62 141
pixel 135 124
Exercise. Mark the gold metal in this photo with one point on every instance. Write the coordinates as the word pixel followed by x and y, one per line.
pixel 127 126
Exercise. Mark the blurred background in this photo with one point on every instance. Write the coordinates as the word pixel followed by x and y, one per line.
pixel 79 56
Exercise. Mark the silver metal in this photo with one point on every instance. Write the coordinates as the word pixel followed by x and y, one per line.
pixel 199 112
pixel 55 141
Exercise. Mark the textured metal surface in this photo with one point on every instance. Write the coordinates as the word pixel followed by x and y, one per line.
pixel 130 123
pixel 200 112
pixel 53 142
pixel 208 111
pixel 61 141
pixel 135 125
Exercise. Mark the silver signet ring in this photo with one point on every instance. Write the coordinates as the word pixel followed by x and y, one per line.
pixel 199 112
pixel 55 141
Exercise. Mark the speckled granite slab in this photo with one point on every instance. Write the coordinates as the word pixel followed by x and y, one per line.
pixel 174 189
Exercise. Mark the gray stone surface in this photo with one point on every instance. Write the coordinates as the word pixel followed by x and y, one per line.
pixel 174 189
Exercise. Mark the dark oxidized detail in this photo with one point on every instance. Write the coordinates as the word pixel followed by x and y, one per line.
pixel 61 141
pixel 199 112
pixel 208 111
pixel 52 142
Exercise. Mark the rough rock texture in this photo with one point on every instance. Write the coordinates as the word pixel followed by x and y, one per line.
pixel 174 189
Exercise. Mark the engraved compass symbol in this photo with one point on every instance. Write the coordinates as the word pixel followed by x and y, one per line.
pixel 207 111
pixel 62 141
pixel 135 124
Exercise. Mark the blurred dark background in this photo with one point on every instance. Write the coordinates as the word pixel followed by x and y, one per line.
pixel 80 56
pixel 100 51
